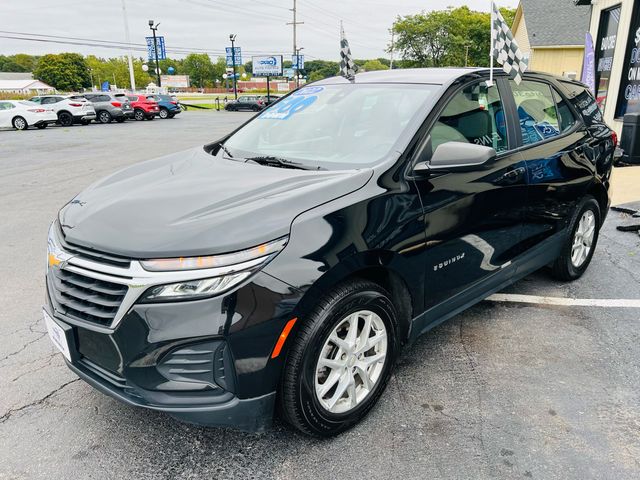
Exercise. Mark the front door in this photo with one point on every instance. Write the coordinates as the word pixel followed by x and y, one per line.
pixel 473 219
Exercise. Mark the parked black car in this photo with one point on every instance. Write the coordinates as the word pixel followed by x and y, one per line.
pixel 288 263
pixel 248 102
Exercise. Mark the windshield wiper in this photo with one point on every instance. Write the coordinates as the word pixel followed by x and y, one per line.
pixel 225 150
pixel 272 161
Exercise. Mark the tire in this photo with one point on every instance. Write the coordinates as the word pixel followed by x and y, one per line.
pixel 580 244
pixel 139 115
pixel 164 113
pixel 42 126
pixel 301 401
pixel 104 117
pixel 65 119
pixel 121 119
pixel 19 123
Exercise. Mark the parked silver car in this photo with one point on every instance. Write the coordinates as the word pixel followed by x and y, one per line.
pixel 69 110
pixel 110 107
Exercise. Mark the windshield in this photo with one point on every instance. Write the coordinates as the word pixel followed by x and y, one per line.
pixel 334 125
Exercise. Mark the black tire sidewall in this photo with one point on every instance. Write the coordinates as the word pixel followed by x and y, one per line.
pixel 321 421
pixel 69 119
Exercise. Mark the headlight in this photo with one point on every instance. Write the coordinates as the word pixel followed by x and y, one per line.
pixel 230 269
pixel 194 289
pixel 266 251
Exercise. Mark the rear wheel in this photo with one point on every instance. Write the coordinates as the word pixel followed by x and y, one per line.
pixel 139 115
pixel 19 123
pixel 340 361
pixel 104 117
pixel 164 113
pixel 580 244
pixel 65 119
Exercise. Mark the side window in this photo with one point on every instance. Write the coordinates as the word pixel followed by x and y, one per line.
pixel 474 115
pixel 566 118
pixel 36 99
pixel 5 105
pixel 537 111
pixel 48 100
pixel 103 98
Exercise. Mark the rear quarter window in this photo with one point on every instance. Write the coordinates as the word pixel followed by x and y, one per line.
pixel 584 102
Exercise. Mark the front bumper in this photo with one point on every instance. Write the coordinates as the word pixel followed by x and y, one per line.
pixel 205 361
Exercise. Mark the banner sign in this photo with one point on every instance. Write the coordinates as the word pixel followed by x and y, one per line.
pixel 238 54
pixel 267 66
pixel 589 65
pixel 151 51
pixel 297 62
pixel 288 72
pixel 629 96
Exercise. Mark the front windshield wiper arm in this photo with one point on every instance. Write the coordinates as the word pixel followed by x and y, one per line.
pixel 272 161
pixel 225 150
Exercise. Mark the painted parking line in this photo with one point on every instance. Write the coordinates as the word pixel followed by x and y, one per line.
pixel 569 302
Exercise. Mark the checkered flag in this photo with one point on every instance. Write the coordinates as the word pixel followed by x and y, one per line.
pixel 504 48
pixel 348 67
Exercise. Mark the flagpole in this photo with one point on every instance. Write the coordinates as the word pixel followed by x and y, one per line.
pixel 491 46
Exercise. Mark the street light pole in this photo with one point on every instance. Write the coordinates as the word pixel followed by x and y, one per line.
pixel 232 37
pixel 155 50
pixel 298 66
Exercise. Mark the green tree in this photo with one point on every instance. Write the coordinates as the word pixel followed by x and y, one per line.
pixel 452 37
pixel 20 62
pixel 199 68
pixel 375 64
pixel 64 71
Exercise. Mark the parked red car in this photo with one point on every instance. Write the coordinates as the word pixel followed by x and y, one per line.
pixel 143 107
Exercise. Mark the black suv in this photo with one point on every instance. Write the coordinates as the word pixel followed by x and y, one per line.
pixel 286 264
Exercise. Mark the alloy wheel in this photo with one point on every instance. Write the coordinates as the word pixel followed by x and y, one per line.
pixel 351 361
pixel 164 113
pixel 20 123
pixel 104 117
pixel 583 238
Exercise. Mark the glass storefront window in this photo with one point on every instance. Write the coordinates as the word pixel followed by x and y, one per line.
pixel 605 49
pixel 629 96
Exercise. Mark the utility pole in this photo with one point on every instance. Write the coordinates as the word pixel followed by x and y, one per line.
pixel 295 23
pixel 155 50
pixel 232 37
pixel 298 65
pixel 128 40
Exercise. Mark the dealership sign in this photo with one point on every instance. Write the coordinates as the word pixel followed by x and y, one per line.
pixel 176 81
pixel 267 65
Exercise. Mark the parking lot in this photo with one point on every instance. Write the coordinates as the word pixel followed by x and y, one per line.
pixel 503 390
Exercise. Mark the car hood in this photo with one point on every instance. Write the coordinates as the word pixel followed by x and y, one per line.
pixel 192 203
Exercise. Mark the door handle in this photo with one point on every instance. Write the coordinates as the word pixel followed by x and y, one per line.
pixel 512 176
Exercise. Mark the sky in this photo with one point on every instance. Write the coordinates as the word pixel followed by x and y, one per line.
pixel 205 25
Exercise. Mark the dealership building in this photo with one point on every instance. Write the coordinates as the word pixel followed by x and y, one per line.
pixel 615 27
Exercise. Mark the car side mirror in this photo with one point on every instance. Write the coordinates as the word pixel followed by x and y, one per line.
pixel 456 156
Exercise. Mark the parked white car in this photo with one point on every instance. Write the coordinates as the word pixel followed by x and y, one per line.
pixel 21 114
pixel 69 110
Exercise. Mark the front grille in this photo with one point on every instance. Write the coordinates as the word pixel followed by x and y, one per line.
pixel 85 298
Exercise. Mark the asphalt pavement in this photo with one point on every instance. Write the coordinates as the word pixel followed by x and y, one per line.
pixel 503 390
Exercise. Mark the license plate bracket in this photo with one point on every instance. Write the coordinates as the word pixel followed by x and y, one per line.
pixel 61 336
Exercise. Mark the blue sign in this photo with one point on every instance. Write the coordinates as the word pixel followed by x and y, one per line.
pixel 286 108
pixel 151 51
pixel 297 62
pixel 105 86
pixel 230 59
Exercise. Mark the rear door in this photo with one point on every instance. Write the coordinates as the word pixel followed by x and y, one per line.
pixel 473 219
pixel 559 167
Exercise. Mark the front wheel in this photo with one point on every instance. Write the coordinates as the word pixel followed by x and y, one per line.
pixel 139 115
pixel 580 244
pixel 340 360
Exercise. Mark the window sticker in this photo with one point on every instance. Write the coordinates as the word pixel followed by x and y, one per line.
pixel 286 108
pixel 308 91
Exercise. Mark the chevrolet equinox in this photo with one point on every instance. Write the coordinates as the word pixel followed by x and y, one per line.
pixel 283 267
